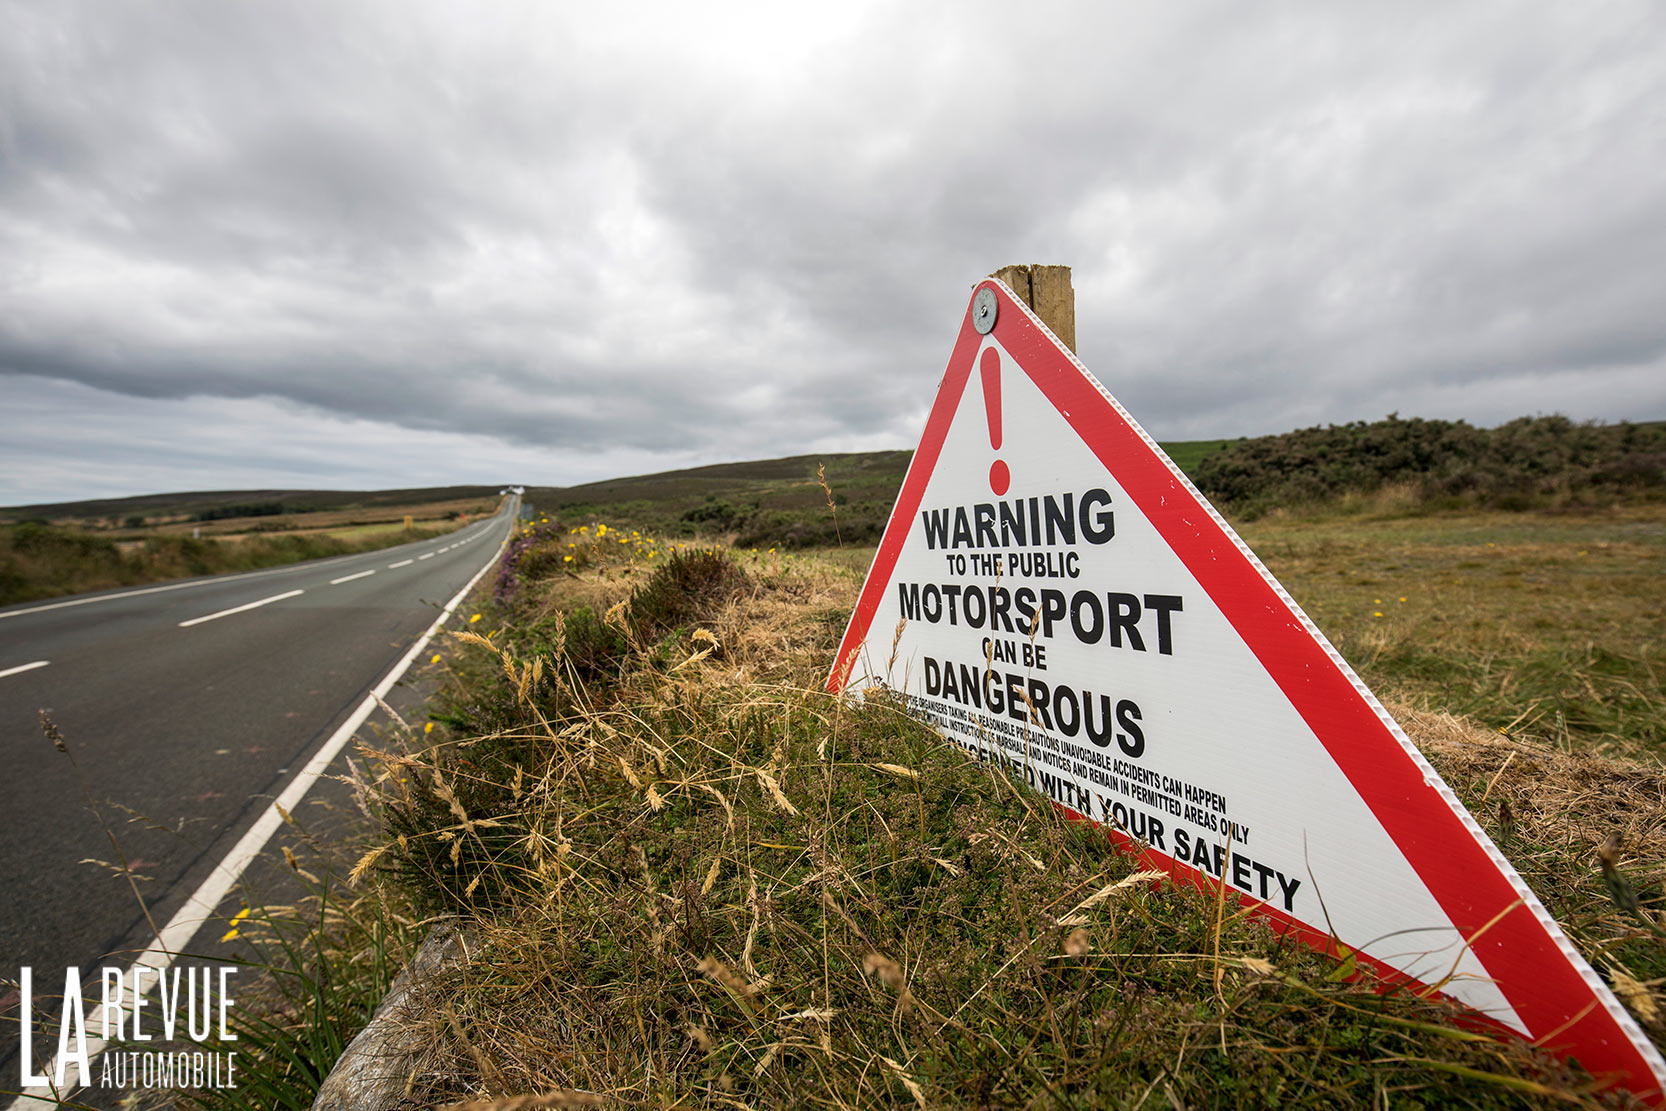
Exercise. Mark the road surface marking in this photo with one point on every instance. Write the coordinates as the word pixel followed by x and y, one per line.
pixel 350 578
pixel 23 667
pixel 240 609
pixel 426 555
pixel 401 563
pixel 204 901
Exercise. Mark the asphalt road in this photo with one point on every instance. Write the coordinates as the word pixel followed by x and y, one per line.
pixel 186 709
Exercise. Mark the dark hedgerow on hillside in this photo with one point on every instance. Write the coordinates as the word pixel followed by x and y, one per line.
pixel 1529 462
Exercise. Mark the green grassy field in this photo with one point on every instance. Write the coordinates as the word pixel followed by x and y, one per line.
pixel 1549 625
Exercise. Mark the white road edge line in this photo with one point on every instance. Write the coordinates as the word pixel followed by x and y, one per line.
pixel 18 670
pixel 200 907
pixel 350 578
pixel 401 563
pixel 240 609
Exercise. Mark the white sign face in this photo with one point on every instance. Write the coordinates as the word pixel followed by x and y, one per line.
pixel 1052 594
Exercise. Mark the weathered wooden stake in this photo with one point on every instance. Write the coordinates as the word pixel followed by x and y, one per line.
pixel 1048 292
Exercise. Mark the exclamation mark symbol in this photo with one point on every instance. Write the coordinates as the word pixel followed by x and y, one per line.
pixel 999 477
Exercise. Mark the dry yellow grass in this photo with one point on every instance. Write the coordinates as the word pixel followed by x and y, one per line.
pixel 697 878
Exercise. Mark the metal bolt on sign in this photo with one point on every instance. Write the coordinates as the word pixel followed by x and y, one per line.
pixel 983 311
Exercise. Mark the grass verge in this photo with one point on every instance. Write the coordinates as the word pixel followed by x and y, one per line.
pixel 697 879
pixel 42 561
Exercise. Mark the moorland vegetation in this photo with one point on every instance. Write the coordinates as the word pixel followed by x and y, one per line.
pixel 1547 462
pixel 691 877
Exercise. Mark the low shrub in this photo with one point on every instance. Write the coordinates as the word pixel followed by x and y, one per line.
pixel 1526 463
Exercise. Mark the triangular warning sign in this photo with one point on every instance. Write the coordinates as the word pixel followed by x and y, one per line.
pixel 1053 593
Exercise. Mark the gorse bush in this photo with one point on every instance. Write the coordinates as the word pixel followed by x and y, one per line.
pixel 1528 462
pixel 253 509
pixel 716 513
pixel 683 583
pixel 691 585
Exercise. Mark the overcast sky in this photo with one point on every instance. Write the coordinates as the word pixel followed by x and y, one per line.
pixel 369 245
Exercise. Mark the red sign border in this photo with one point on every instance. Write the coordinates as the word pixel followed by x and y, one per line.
pixel 1468 876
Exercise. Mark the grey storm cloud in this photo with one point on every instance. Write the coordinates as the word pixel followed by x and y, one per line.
pixel 656 234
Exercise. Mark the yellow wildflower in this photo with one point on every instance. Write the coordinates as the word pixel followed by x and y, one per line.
pixel 231 933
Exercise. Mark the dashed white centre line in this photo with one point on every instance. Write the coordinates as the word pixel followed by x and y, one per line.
pixel 350 578
pixel 427 555
pixel 401 563
pixel 240 609
pixel 19 669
